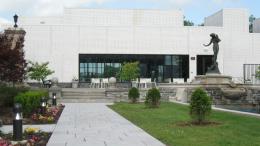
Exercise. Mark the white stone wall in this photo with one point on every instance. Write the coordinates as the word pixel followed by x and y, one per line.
pixel 99 31
pixel 236 20
pixel 123 17
pixel 215 19
pixel 256 26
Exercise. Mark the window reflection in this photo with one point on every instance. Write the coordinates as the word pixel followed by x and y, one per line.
pixel 165 67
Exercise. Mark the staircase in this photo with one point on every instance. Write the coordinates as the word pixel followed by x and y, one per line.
pixel 84 95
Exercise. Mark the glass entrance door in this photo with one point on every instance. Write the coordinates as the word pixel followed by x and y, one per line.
pixel 203 62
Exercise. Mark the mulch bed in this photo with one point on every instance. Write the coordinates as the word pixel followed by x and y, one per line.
pixel 50 117
pixel 191 123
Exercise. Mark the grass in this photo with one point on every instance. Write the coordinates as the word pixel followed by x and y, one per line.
pixel 235 130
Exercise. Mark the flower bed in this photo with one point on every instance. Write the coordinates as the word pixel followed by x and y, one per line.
pixel 50 117
pixel 31 136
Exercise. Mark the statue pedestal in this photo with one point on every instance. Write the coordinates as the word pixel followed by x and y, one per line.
pixel 212 79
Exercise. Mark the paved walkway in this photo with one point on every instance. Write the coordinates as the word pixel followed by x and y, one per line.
pixel 94 124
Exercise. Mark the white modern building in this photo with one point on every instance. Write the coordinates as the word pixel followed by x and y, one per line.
pixel 88 43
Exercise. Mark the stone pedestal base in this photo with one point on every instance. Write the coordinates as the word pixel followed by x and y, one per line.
pixel 213 79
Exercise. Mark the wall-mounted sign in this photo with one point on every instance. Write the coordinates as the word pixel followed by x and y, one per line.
pixel 193 58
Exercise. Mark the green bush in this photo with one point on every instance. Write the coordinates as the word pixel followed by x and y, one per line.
pixel 200 105
pixel 7 94
pixel 133 94
pixel 30 100
pixel 153 97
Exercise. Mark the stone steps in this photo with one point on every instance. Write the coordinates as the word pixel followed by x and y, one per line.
pixel 84 95
pixel 86 100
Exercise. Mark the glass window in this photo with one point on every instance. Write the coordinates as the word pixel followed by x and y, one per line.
pixel 167 60
pixel 90 65
pixel 81 65
pixel 81 70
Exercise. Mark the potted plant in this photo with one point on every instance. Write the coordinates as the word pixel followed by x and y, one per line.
pixel 75 82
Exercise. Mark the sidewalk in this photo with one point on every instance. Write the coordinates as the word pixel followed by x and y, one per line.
pixel 94 124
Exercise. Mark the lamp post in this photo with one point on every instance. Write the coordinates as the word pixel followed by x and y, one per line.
pixel 17 122
pixel 54 100
pixel 43 105
pixel 15 21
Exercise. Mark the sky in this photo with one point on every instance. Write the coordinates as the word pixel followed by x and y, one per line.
pixel 194 10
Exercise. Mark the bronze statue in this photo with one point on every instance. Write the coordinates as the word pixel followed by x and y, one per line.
pixel 215 40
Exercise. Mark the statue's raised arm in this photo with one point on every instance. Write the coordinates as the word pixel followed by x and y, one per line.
pixel 208 44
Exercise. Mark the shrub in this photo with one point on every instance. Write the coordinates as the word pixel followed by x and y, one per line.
pixel 153 97
pixel 30 100
pixel 200 105
pixel 133 94
pixel 7 94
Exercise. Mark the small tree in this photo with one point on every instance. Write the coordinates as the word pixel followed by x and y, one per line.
pixel 12 61
pixel 257 74
pixel 153 97
pixel 200 105
pixel 38 71
pixel 130 71
pixel 187 22
pixel 133 94
pixel 251 20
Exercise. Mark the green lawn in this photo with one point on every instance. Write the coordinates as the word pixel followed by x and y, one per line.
pixel 235 130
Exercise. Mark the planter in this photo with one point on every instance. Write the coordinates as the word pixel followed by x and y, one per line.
pixel 75 84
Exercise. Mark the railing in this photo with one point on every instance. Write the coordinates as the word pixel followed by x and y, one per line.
pixel 249 73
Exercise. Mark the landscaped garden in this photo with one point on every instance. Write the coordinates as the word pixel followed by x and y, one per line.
pixel 180 125
pixel 31 136
pixel 35 110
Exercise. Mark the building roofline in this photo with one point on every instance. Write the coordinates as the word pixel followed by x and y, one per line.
pixel 142 9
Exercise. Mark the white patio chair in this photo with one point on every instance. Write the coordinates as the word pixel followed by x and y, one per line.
pixel 178 80
pixel 95 82
pixel 104 82
pixel 144 81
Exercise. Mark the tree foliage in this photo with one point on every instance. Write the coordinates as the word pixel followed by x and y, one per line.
pixel 257 74
pixel 153 97
pixel 133 94
pixel 200 105
pixel 39 71
pixel 130 71
pixel 12 61
pixel 251 20
pixel 187 22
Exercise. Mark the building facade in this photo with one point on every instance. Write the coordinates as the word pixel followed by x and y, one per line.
pixel 90 43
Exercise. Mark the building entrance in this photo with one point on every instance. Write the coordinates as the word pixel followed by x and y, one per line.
pixel 203 62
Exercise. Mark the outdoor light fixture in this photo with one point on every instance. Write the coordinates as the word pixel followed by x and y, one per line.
pixel 54 101
pixel 15 21
pixel 43 105
pixel 17 122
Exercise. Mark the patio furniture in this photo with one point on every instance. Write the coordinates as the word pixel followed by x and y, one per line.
pixel 95 83
pixel 144 81
pixel 104 82
pixel 47 83
pixel 178 80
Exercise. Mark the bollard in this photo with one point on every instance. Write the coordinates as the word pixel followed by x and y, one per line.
pixel 54 100
pixel 43 105
pixel 17 122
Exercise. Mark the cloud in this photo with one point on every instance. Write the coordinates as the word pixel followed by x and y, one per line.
pixel 55 7
pixel 4 21
pixel 42 7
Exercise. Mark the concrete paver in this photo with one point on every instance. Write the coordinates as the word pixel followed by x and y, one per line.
pixel 94 124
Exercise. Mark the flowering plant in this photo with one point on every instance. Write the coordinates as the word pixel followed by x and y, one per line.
pixel 4 142
pixel 31 130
